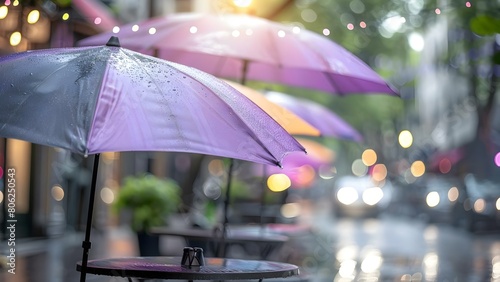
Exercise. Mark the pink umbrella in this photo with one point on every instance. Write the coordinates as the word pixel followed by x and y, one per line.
pixel 243 47
pixel 300 167
pixel 328 122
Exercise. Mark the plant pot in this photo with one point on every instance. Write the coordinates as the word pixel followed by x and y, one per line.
pixel 149 245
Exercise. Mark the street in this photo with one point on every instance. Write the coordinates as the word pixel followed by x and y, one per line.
pixel 397 248
pixel 387 248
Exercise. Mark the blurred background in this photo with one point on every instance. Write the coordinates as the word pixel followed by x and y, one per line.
pixel 392 207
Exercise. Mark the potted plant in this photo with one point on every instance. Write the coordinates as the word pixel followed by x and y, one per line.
pixel 150 200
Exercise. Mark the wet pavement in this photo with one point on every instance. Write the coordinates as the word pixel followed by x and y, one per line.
pixel 388 248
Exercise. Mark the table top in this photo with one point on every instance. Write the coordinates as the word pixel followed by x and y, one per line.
pixel 171 268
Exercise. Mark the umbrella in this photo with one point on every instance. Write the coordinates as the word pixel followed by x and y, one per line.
pixel 295 165
pixel 91 100
pixel 244 47
pixel 328 122
pixel 291 122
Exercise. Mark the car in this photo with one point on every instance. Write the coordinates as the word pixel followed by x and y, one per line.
pixel 439 196
pixel 478 207
pixel 360 196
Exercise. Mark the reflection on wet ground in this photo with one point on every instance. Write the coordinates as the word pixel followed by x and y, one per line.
pixel 389 248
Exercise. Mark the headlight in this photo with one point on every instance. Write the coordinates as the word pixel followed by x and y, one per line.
pixel 432 199
pixel 372 196
pixel 479 205
pixel 347 195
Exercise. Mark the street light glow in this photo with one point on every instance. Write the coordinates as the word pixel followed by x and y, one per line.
pixel 405 139
pixel 417 168
pixel 278 182
pixel 369 157
pixel 242 3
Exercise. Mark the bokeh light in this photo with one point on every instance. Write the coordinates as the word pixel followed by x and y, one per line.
pixel 379 172
pixel 242 3
pixel 4 11
pixel 497 159
pixel 372 196
pixel 369 157
pixel 307 174
pixel 405 139
pixel 33 16
pixel 216 167
pixel 350 26
pixel 278 182
pixel 290 210
pixel 57 193
pixel 444 165
pixel 362 24
pixel 152 31
pixel 432 199
pixel 15 38
pixel 135 28
pixel 309 15
pixel 327 172
pixel 417 168
pixel 416 41
pixel 453 194
pixel 347 195
pixel 107 195
pixel 326 32
pixel 359 168
pixel 116 29
pixel 479 205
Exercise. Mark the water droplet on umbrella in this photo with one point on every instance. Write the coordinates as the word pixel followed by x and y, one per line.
pixel 12 85
pixel 31 73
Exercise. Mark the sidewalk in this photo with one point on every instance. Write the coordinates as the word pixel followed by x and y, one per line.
pixel 54 259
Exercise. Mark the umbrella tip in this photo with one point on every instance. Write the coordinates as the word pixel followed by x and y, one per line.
pixel 113 41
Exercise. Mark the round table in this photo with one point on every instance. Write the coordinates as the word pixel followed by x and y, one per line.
pixel 171 268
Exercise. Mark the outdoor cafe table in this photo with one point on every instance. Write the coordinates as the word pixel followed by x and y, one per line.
pixel 171 268
pixel 266 242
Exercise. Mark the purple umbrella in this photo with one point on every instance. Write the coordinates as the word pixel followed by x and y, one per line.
pixel 243 47
pixel 98 99
pixel 328 123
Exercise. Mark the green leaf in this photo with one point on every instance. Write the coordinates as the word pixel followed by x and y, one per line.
pixel 485 25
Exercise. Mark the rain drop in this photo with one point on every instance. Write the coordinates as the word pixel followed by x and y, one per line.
pixel 31 73
pixel 12 85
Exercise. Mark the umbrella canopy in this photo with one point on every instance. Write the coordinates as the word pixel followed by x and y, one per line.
pixel 301 168
pixel 244 47
pixel 291 122
pixel 328 122
pixel 99 99
pixel 107 98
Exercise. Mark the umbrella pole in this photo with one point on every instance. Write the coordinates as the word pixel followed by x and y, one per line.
pixel 244 70
pixel 263 196
pixel 222 247
pixel 86 244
